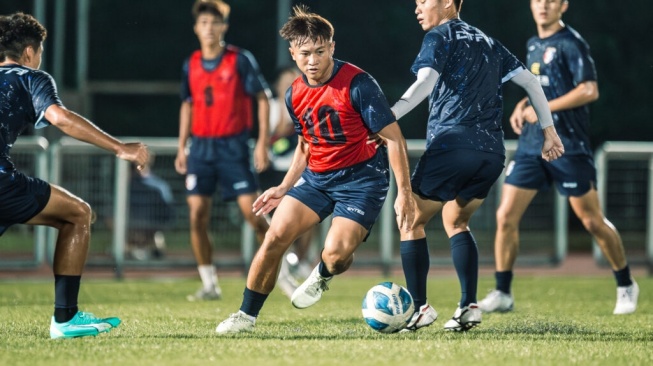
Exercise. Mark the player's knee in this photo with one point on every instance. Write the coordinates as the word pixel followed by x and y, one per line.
pixel 82 213
pixel 592 224
pixel 278 238
pixel 505 222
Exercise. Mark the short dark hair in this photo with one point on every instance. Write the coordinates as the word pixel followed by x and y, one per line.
pixel 216 8
pixel 303 26
pixel 17 32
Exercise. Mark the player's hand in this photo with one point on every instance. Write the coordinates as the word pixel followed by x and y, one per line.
pixel 405 211
pixel 552 147
pixel 180 162
pixel 261 159
pixel 529 114
pixel 517 119
pixel 375 139
pixel 136 152
pixel 268 201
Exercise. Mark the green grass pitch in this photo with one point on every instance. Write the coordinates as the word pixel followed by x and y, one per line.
pixel 557 321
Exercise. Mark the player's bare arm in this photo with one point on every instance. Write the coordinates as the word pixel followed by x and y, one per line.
pixel 261 159
pixel 584 93
pixel 78 127
pixel 271 198
pixel 185 114
pixel 398 156
pixel 517 116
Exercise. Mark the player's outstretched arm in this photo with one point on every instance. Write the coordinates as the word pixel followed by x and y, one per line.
pixel 417 92
pixel 398 156
pixel 271 198
pixel 78 127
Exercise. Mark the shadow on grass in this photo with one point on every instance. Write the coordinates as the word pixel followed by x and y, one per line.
pixel 355 329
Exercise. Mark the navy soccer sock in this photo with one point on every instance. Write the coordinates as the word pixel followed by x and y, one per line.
pixel 324 272
pixel 623 277
pixel 465 259
pixel 504 280
pixel 252 302
pixel 415 261
pixel 66 292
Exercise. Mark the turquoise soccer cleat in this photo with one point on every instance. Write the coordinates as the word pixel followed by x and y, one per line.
pixel 82 325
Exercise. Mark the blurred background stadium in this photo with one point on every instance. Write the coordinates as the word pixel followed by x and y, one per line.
pixel 119 63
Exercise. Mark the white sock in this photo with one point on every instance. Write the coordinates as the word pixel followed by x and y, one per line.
pixel 208 276
pixel 252 318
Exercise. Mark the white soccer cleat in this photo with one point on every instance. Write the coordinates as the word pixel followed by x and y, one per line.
pixel 286 282
pixel 626 299
pixel 497 301
pixel 236 323
pixel 310 292
pixel 423 318
pixel 464 318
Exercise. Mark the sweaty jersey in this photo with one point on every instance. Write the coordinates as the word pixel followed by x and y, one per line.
pixel 560 62
pixel 336 117
pixel 466 104
pixel 25 94
pixel 221 92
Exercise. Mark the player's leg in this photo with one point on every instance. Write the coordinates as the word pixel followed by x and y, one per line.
pixel 426 182
pixel 514 202
pixel 588 210
pixel 344 236
pixel 291 219
pixel 464 253
pixel 258 223
pixel 72 217
pixel 416 262
pixel 199 207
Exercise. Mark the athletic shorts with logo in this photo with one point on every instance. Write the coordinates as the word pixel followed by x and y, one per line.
pixel 573 175
pixel 224 161
pixel 356 192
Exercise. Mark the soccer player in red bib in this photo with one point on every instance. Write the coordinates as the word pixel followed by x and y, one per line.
pixel 219 85
pixel 337 169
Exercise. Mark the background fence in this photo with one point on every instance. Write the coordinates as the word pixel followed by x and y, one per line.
pixel 547 231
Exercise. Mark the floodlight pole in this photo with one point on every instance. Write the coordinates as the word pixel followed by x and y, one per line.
pixel 283 12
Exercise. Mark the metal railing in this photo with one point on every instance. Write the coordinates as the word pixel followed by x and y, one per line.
pixel 116 191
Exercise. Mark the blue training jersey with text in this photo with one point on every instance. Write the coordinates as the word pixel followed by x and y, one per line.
pixel 466 104
pixel 25 94
pixel 560 62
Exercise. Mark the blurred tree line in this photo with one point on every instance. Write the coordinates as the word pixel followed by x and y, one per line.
pixel 149 40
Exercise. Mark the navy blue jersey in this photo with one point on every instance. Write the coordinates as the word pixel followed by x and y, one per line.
pixel 466 104
pixel 247 67
pixel 25 94
pixel 366 98
pixel 560 62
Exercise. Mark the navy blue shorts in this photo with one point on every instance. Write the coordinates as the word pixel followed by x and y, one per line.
pixel 357 192
pixel 573 175
pixel 443 175
pixel 21 198
pixel 220 160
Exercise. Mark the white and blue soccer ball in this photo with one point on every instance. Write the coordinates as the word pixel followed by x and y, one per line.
pixel 388 307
